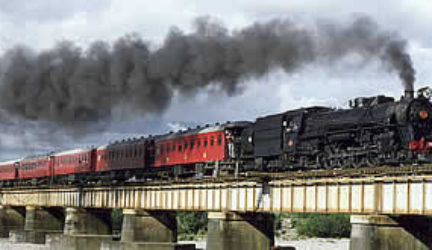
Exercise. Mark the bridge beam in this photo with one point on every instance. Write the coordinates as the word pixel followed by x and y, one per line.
pixel 38 223
pixel 227 231
pixel 381 232
pixel 148 226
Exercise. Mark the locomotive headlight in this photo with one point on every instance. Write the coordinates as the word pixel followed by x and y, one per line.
pixel 423 114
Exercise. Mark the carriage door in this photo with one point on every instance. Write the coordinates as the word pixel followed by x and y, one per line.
pixel 291 126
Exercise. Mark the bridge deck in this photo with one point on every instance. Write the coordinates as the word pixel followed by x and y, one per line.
pixel 383 195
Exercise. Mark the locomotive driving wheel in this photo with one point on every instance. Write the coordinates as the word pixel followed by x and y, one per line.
pixel 372 160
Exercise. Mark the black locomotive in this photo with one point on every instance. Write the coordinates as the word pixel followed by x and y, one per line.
pixel 373 131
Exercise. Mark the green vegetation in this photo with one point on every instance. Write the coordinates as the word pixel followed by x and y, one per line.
pixel 322 225
pixel 279 217
pixel 116 220
pixel 191 225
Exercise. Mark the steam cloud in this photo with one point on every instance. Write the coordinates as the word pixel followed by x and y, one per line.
pixel 67 83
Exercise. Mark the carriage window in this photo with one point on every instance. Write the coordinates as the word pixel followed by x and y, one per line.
pixel 168 149
pixel 185 145
pixel 198 143
pixel 180 148
pixel 205 142
pixel 162 149
pixel 212 141
pixel 220 140
pixel 174 147
pixel 140 151
pixel 192 144
pixel 157 151
pixel 136 151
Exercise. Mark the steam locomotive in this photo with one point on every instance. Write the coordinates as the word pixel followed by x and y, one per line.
pixel 373 131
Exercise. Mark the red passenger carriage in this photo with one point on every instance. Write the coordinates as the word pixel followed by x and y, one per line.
pixel 8 170
pixel 35 167
pixel 210 144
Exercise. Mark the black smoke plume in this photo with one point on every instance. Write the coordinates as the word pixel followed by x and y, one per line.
pixel 67 83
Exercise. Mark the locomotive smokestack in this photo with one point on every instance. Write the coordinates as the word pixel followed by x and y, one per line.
pixel 409 94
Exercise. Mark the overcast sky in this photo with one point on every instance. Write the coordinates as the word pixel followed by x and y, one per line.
pixel 40 24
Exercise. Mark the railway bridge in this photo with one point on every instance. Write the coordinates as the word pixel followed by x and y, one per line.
pixel 388 210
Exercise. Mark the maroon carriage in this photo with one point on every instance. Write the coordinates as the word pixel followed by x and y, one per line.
pixel 78 161
pixel 125 159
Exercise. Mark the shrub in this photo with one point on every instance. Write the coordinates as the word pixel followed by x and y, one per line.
pixel 322 225
pixel 191 224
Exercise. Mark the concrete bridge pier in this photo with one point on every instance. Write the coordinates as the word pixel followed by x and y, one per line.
pixel 252 231
pixel 10 219
pixel 382 232
pixel 84 229
pixel 148 226
pixel 153 230
pixel 80 221
pixel 38 223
